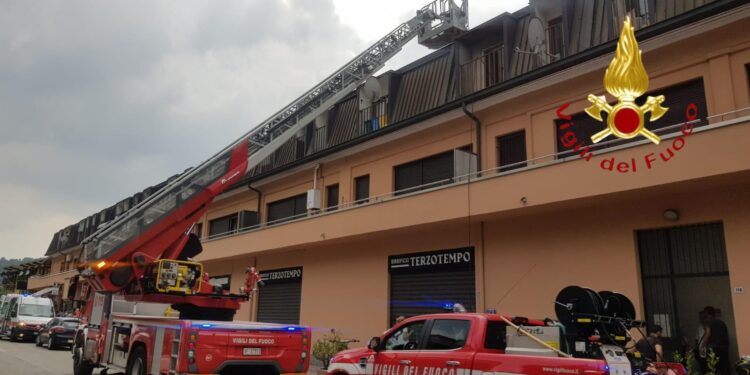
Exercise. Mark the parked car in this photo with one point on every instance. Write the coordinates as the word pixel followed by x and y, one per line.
pixel 57 333
pixel 25 315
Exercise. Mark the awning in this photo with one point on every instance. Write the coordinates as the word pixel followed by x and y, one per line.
pixel 46 292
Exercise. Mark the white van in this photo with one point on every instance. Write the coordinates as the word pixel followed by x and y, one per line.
pixel 24 317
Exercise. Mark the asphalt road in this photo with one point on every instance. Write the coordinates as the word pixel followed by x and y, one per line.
pixel 24 358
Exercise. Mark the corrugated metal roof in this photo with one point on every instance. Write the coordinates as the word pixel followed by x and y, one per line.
pixel 345 125
pixel 424 87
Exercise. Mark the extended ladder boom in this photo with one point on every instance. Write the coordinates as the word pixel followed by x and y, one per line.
pixel 157 224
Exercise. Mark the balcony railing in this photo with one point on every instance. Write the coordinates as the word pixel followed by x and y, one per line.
pixel 482 72
pixel 740 116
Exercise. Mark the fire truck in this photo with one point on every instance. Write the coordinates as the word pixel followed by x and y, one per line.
pixel 590 337
pixel 139 267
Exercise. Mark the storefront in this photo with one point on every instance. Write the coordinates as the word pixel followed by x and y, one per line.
pixel 431 282
pixel 280 297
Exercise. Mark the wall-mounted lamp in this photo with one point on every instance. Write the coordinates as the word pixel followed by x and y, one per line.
pixel 671 215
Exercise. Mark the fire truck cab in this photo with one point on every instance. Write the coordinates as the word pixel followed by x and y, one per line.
pixel 141 340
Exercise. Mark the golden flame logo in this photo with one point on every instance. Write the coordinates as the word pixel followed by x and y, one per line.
pixel 626 80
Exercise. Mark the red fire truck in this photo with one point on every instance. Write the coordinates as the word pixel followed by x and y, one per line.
pixel 588 339
pixel 140 263
pixel 139 269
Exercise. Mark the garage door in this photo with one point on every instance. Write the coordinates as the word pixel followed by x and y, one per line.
pixel 280 297
pixel 425 283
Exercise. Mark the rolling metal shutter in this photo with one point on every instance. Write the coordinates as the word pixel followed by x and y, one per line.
pixel 362 187
pixel 424 283
pixel 677 99
pixel 287 208
pixel 424 171
pixel 511 149
pixel 280 298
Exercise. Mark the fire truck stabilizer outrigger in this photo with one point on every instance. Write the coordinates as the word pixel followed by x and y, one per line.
pixel 141 263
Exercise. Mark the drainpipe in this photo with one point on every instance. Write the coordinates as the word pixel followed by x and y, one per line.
pixel 315 176
pixel 478 127
pixel 260 197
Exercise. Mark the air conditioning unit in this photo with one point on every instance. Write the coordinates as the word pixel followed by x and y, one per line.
pixel 313 199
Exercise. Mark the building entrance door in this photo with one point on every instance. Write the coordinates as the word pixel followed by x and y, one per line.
pixel 683 270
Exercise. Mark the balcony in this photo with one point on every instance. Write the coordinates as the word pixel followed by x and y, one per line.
pixel 48 280
pixel 492 192
pixel 482 72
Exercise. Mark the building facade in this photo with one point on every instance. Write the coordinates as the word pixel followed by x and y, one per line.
pixel 469 177
pixel 459 180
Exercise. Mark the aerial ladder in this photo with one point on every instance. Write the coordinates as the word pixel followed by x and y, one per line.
pixel 145 254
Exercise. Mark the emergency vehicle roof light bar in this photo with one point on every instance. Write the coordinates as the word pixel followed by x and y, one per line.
pixel 111 242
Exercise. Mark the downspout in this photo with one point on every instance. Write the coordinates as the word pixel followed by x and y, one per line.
pixel 478 129
pixel 260 197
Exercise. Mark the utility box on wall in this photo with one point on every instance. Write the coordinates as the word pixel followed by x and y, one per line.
pixel 313 199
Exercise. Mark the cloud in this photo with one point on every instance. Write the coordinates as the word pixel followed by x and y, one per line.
pixel 101 99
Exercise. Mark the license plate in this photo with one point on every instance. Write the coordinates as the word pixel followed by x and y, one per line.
pixel 251 351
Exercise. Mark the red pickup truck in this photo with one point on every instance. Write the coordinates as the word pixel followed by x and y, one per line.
pixel 474 344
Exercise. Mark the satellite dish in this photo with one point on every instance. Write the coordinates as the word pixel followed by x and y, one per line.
pixel 536 35
pixel 369 93
pixel 537 40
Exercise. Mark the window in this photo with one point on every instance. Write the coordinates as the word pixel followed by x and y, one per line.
pixel 448 334
pixel 677 98
pixel 222 225
pixel 332 197
pixel 407 337
pixel 555 38
pixel 413 176
pixel 511 151
pixel 287 208
pixel 493 65
pixel 362 188
pixel 495 338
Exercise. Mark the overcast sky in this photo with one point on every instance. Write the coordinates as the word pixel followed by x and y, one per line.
pixel 99 100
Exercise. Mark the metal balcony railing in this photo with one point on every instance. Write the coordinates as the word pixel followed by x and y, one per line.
pixel 482 72
pixel 731 118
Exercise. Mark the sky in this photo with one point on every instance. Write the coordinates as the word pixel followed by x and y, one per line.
pixel 99 100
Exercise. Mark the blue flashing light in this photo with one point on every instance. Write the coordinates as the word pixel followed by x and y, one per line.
pixel 206 325
pixel 448 306
pixel 291 329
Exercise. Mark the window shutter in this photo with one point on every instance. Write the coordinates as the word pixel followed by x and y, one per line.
pixel 332 196
pixel 437 168
pixel 511 149
pixel 362 187
pixel 408 175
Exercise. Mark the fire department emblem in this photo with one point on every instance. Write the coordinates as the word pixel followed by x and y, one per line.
pixel 626 80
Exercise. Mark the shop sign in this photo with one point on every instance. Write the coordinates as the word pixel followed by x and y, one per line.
pixel 284 275
pixel 433 260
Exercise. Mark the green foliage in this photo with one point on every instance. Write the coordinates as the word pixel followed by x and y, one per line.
pixel 689 360
pixel 712 360
pixel 327 346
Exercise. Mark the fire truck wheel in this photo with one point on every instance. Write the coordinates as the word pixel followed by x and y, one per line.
pixel 81 366
pixel 137 362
